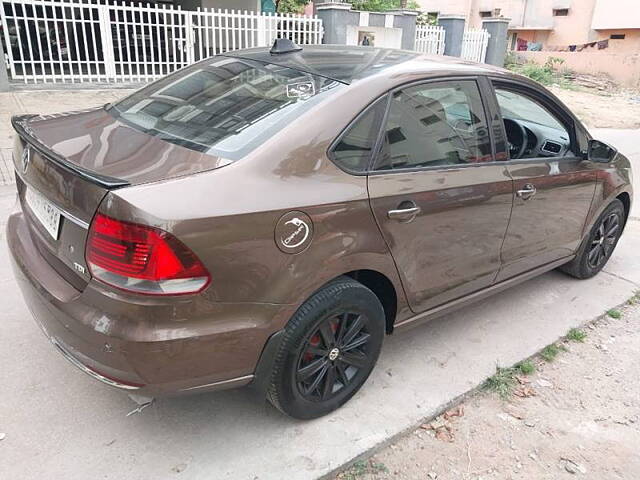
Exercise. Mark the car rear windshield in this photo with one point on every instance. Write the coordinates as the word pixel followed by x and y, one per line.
pixel 223 106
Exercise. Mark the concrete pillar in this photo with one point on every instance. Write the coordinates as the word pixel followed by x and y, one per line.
pixel 4 78
pixel 497 48
pixel 335 17
pixel 406 20
pixel 454 32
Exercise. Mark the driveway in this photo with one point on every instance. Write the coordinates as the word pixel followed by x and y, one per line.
pixel 60 424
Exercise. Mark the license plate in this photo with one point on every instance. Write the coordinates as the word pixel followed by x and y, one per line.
pixel 46 213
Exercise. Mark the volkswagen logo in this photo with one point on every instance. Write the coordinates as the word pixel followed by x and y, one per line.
pixel 26 158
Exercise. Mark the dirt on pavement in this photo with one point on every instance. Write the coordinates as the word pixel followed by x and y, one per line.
pixel 577 416
pixel 598 109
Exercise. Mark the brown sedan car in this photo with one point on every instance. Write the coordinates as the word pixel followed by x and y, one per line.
pixel 266 218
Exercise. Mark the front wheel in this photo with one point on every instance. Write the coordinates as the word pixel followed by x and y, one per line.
pixel 599 244
pixel 329 349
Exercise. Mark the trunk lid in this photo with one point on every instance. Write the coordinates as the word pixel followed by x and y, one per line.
pixel 109 152
pixel 66 164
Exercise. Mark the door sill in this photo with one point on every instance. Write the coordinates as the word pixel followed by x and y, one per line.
pixel 480 294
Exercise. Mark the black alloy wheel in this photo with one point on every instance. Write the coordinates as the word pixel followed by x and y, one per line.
pixel 598 246
pixel 328 350
pixel 604 240
pixel 332 356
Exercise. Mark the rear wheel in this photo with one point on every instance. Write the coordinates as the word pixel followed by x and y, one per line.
pixel 599 245
pixel 329 349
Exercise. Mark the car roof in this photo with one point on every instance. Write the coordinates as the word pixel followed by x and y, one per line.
pixel 347 64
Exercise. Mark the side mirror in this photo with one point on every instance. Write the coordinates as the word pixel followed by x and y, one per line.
pixel 600 152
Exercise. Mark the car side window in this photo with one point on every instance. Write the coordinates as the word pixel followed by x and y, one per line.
pixel 353 150
pixel 532 130
pixel 435 124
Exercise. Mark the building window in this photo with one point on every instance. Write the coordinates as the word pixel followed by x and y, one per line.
pixel 485 13
pixel 618 36
pixel 560 12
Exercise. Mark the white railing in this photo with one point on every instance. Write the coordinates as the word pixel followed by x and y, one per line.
pixel 474 45
pixel 105 40
pixel 430 39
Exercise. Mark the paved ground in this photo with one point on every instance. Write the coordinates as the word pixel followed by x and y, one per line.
pixel 577 414
pixel 43 101
pixel 61 424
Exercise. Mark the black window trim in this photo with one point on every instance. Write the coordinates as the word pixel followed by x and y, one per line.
pixel 548 102
pixel 345 130
pixel 486 86
pixel 481 83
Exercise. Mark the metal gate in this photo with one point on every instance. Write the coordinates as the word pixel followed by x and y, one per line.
pixel 430 39
pixel 474 45
pixel 50 41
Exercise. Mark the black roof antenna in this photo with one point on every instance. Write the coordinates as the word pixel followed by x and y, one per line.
pixel 284 45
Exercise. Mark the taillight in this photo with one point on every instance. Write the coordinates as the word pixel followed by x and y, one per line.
pixel 142 259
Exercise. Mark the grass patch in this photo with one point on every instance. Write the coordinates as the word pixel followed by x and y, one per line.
pixel 546 74
pixel 550 352
pixel 526 368
pixel 576 335
pixel 363 467
pixel 613 313
pixel 502 382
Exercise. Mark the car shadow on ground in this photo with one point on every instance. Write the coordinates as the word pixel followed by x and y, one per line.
pixel 422 362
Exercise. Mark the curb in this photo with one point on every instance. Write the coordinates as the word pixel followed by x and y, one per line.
pixel 441 409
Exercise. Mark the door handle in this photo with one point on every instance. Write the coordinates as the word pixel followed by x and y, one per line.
pixel 527 191
pixel 405 212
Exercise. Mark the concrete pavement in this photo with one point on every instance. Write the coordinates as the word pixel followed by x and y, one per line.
pixel 61 424
pixel 43 102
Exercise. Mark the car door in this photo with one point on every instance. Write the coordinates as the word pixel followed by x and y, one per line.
pixel 553 183
pixel 440 200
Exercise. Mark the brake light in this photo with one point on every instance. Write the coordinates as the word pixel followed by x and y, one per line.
pixel 142 259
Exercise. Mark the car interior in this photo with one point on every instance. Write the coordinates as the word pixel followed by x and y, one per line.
pixel 532 131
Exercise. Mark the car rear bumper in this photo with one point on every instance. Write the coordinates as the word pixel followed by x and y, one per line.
pixel 149 345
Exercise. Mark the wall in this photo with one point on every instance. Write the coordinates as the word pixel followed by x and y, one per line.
pixel 540 36
pixel 610 14
pixel 623 68
pixel 630 44
pixel 534 13
pixel 378 36
pixel 575 28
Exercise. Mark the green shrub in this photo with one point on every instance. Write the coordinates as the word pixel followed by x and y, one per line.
pixel 545 74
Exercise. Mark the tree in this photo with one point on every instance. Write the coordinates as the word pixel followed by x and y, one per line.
pixel 291 6
pixel 384 5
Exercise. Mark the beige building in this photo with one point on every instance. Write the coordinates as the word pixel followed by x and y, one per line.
pixel 554 23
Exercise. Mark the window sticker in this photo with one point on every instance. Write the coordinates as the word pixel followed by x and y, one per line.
pixel 300 90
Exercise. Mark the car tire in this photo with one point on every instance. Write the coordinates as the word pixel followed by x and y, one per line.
pixel 598 246
pixel 330 347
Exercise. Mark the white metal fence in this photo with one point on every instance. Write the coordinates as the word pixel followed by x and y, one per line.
pixel 474 45
pixel 106 40
pixel 430 39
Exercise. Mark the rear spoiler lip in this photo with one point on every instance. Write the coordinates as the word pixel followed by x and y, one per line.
pixel 20 125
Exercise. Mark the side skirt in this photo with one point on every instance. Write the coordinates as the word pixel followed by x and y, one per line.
pixel 479 295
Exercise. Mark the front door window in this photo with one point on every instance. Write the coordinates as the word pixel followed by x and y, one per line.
pixel 532 131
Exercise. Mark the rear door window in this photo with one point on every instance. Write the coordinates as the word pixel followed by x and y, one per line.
pixel 435 124
pixel 223 106
pixel 354 148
